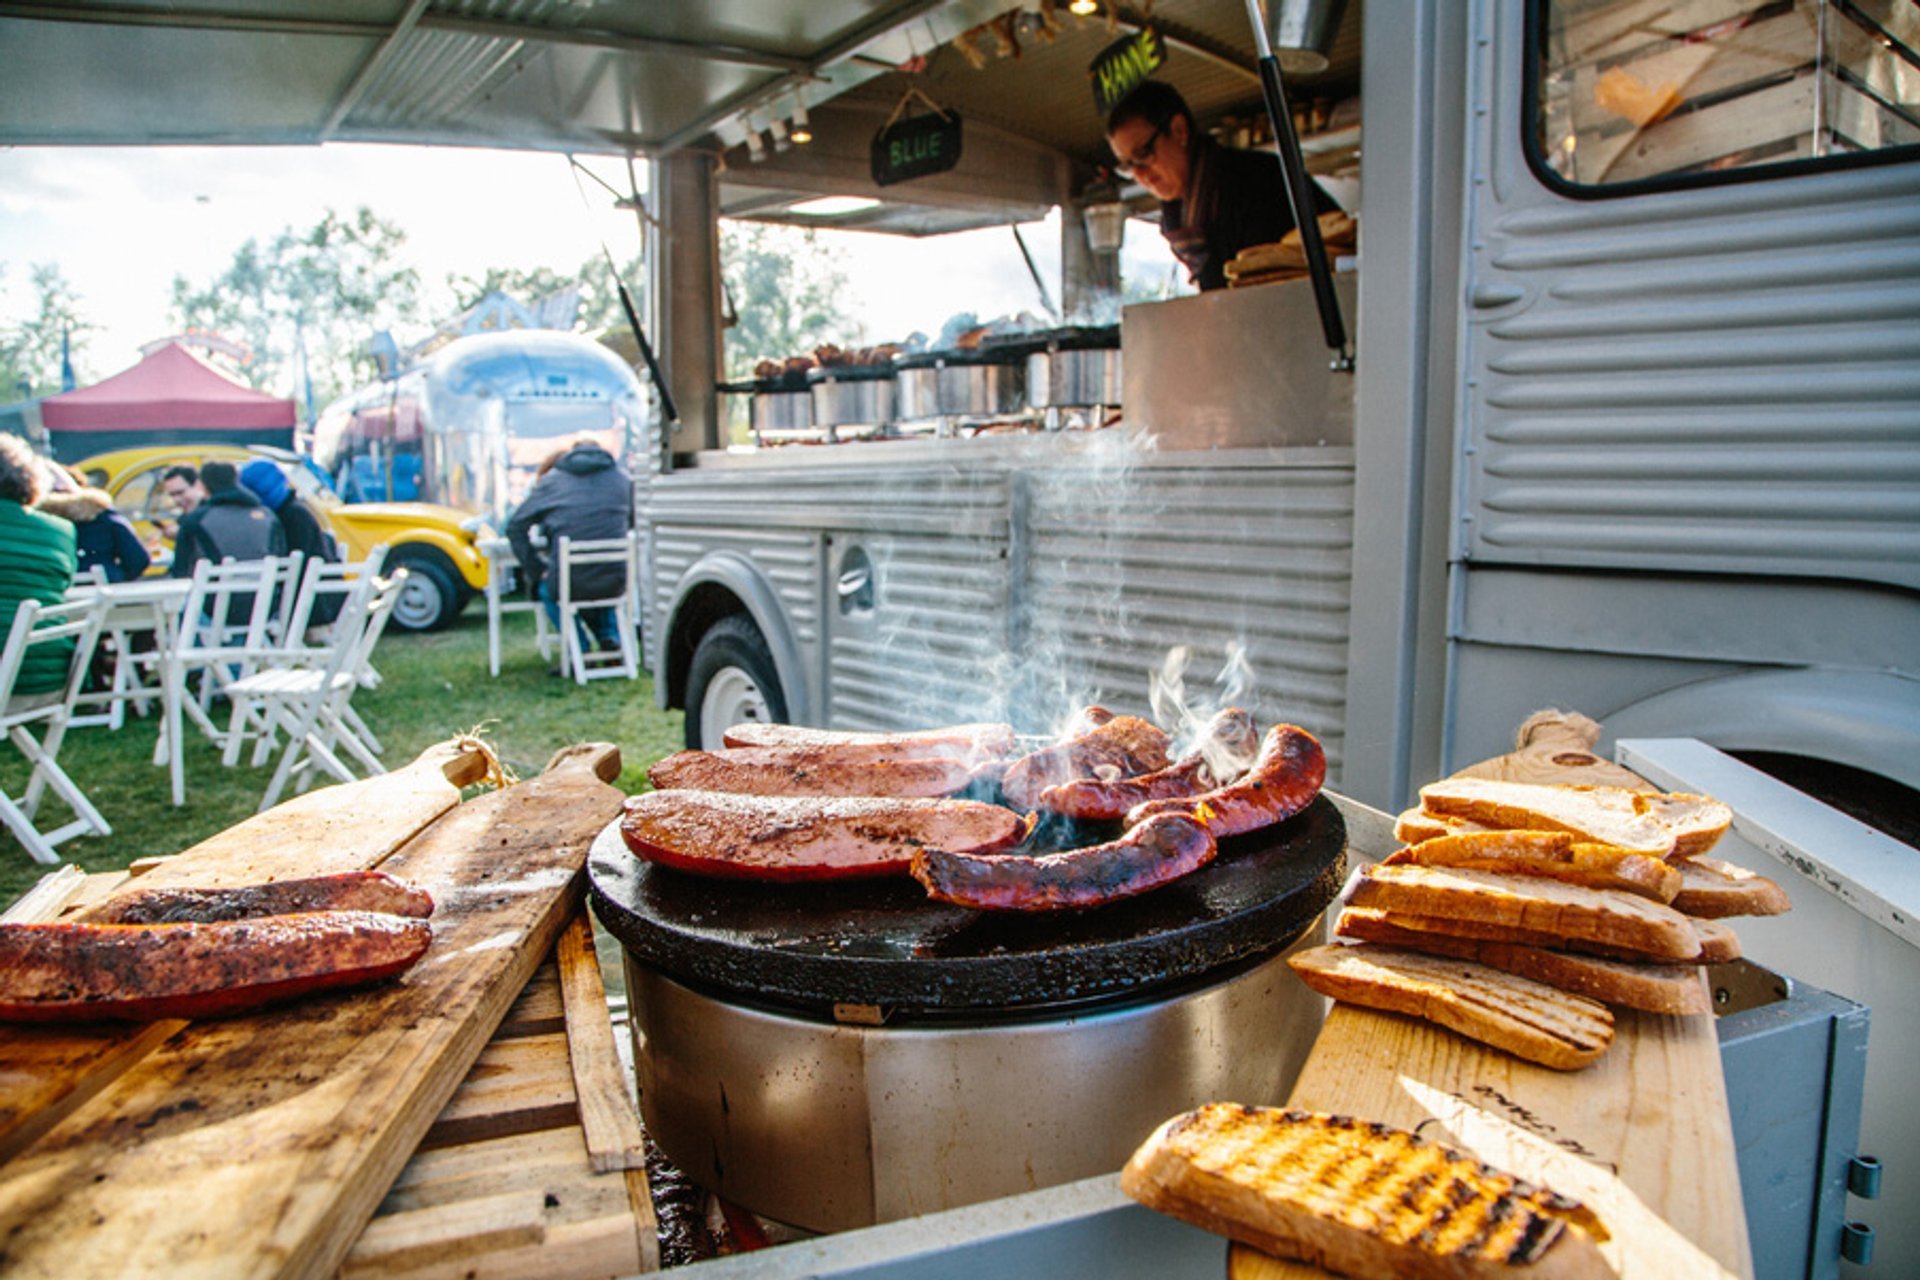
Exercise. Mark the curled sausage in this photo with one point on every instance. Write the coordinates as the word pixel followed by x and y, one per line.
pixel 347 891
pixel 1150 855
pixel 1122 747
pixel 79 972
pixel 1283 781
pixel 1229 735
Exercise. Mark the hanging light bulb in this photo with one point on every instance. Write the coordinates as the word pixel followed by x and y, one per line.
pixel 801 131
pixel 1083 8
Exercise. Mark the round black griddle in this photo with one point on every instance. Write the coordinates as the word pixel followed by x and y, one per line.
pixel 885 943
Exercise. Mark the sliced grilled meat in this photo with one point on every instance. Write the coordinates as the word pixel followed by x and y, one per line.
pixel 1121 748
pixel 347 891
pixel 1229 736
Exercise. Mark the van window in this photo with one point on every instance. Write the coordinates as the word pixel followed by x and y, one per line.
pixel 1627 95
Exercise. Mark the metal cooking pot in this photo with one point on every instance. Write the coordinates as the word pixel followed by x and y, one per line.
pixel 777 411
pixel 1079 377
pixel 857 400
pixel 945 387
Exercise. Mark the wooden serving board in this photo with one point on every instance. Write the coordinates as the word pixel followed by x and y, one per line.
pixel 260 1145
pixel 45 1072
pixel 1643 1135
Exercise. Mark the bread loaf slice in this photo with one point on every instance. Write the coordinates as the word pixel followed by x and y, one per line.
pixel 1655 824
pixel 1545 907
pixel 1416 825
pixel 1553 855
pixel 1527 1019
pixel 1652 988
pixel 1714 890
pixel 1715 942
pixel 1359 1198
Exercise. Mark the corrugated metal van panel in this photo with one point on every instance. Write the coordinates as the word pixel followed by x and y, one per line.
pixel 1721 381
pixel 937 499
pixel 1213 560
pixel 789 560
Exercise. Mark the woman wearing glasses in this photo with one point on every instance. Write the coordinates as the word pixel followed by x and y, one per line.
pixel 1215 201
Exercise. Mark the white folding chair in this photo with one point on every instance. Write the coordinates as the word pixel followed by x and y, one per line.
pixel 34 624
pixel 599 664
pixel 310 704
pixel 232 617
pixel 320 580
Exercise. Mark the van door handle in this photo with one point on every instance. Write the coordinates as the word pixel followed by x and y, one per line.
pixel 1485 297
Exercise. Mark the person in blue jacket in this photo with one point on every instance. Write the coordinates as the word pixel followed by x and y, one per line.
pixel 105 539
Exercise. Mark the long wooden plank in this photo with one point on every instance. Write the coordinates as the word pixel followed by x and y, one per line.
pixel 516 1086
pixel 607 1113
pixel 261 1145
pixel 46 1072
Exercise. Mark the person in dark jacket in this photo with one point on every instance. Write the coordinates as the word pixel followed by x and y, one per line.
pixel 37 562
pixel 103 537
pixel 305 531
pixel 229 523
pixel 585 494
pixel 1215 201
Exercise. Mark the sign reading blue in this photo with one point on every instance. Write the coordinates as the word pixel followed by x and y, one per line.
pixel 915 147
pixel 1123 65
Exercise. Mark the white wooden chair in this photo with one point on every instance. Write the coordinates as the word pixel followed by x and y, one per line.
pixel 320 580
pixel 77 621
pixel 576 660
pixel 310 704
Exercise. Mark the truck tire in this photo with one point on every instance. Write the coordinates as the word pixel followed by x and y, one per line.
pixel 732 679
pixel 433 596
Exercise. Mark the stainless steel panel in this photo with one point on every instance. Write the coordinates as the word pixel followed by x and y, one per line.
pixel 778 411
pixel 961 391
pixel 1080 378
pixel 864 402
pixel 836 1126
pixel 1236 367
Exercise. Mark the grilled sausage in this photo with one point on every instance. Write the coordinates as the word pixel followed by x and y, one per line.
pixel 1229 735
pixel 809 771
pixel 973 741
pixel 347 891
pixel 1146 857
pixel 1282 782
pixel 714 833
pixel 1121 748
pixel 80 972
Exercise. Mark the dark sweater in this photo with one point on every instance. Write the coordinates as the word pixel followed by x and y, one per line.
pixel 1235 200
pixel 586 495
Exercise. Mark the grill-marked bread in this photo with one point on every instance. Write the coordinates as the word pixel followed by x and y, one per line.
pixel 1553 855
pixel 1652 988
pixel 1658 825
pixel 1525 1018
pixel 1359 1198
pixel 1713 889
pixel 1544 907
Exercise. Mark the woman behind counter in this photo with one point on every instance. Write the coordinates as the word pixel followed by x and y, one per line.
pixel 1215 201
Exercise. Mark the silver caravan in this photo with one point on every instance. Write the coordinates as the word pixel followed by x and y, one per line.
pixel 469 425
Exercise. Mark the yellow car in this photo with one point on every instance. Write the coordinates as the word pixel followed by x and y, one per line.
pixel 440 545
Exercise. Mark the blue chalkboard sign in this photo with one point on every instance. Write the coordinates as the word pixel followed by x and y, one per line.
pixel 1125 65
pixel 915 147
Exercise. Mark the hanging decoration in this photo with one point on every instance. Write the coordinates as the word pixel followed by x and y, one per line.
pixel 915 146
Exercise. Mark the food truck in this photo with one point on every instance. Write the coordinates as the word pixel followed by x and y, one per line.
pixel 1624 422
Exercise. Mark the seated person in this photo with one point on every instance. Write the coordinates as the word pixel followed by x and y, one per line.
pixel 584 494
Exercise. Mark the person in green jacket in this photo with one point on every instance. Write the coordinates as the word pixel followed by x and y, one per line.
pixel 37 562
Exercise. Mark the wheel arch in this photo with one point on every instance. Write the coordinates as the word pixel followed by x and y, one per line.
pixel 1865 719
pixel 715 587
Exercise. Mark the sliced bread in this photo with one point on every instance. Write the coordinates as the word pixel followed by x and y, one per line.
pixel 1359 1198
pixel 1714 890
pixel 1416 825
pixel 1652 988
pixel 1650 823
pixel 1554 855
pixel 1545 907
pixel 1527 1019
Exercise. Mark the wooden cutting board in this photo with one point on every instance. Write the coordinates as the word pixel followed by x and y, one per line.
pixel 45 1072
pixel 260 1146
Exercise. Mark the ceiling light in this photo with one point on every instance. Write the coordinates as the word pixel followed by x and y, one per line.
pixel 756 147
pixel 777 130
pixel 829 206
pixel 1082 8
pixel 801 132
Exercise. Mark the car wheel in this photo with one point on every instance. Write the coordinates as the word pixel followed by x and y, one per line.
pixel 732 680
pixel 430 600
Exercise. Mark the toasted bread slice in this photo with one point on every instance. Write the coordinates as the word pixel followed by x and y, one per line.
pixel 1652 988
pixel 1715 943
pixel 1359 1198
pixel 1545 907
pixel 1653 824
pixel 1416 825
pixel 1553 855
pixel 1527 1019
pixel 1714 890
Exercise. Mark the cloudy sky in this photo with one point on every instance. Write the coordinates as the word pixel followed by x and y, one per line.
pixel 123 222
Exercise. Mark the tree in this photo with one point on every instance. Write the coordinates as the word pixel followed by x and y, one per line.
pixel 788 291
pixel 31 351
pixel 327 290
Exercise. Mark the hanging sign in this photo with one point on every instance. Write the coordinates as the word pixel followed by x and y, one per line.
pixel 915 147
pixel 1124 65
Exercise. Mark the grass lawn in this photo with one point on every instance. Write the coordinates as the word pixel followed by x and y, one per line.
pixel 435 687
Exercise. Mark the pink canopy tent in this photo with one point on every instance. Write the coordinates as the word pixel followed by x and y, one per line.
pixel 170 397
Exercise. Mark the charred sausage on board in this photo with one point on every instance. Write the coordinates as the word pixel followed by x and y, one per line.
pixel 346 891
